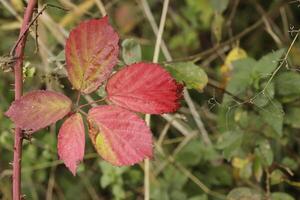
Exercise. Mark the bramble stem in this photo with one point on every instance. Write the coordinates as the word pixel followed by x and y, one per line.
pixel 19 53
pixel 90 103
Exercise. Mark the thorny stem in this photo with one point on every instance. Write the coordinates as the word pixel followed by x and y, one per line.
pixel 23 36
pixel 19 53
pixel 28 25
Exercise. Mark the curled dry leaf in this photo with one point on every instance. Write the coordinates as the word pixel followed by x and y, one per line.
pixel 38 109
pixel 146 88
pixel 71 142
pixel 119 136
pixel 91 53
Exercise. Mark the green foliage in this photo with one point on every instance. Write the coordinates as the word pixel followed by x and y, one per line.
pixel 131 51
pixel 244 193
pixel 112 176
pixel 281 196
pixel 254 129
pixel 187 72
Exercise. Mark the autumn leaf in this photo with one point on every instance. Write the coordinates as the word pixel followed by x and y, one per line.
pixel 91 53
pixel 119 136
pixel 146 88
pixel 38 109
pixel 71 142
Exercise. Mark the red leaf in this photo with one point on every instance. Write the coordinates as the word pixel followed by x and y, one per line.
pixel 38 109
pixel 71 142
pixel 119 136
pixel 91 53
pixel 146 88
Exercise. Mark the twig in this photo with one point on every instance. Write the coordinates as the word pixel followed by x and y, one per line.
pixel 281 63
pixel 176 123
pixel 268 22
pixel 19 53
pixel 160 31
pixel 196 117
pixel 89 187
pixel 24 32
pixel 163 134
pixel 168 56
pixel 231 17
pixel 148 118
pixel 213 85
pixel 101 7
pixel 268 192
pixel 154 27
pixel 192 177
pixel 51 183
pixel 199 56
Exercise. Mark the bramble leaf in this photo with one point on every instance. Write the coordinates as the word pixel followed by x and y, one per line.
pixel 119 136
pixel 240 193
pixel 272 114
pixel 71 142
pixel 146 88
pixel 189 73
pixel 91 53
pixel 38 109
pixel 267 64
pixel 131 51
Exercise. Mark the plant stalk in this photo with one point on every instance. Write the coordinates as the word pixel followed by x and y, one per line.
pixel 18 70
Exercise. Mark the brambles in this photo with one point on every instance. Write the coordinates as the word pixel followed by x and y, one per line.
pixel 119 136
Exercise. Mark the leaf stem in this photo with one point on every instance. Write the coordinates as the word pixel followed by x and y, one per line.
pixel 78 98
pixel 18 138
pixel 90 103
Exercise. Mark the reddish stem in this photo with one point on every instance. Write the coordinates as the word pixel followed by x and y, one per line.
pixel 19 53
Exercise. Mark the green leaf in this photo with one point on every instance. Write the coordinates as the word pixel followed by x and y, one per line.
pixel 292 116
pixel 217 25
pixel 244 193
pixel 175 180
pixel 272 114
pixel 218 5
pixel 201 9
pixel 199 197
pixel 111 175
pixel 276 177
pixel 241 79
pixel 190 74
pixel 290 163
pixel 194 152
pixel 281 196
pixel 287 84
pixel 230 142
pixel 131 51
pixel 241 117
pixel 263 98
pixel 257 169
pixel 264 152
pixel 267 64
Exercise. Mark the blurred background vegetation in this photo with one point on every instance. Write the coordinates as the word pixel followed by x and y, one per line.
pixel 235 137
